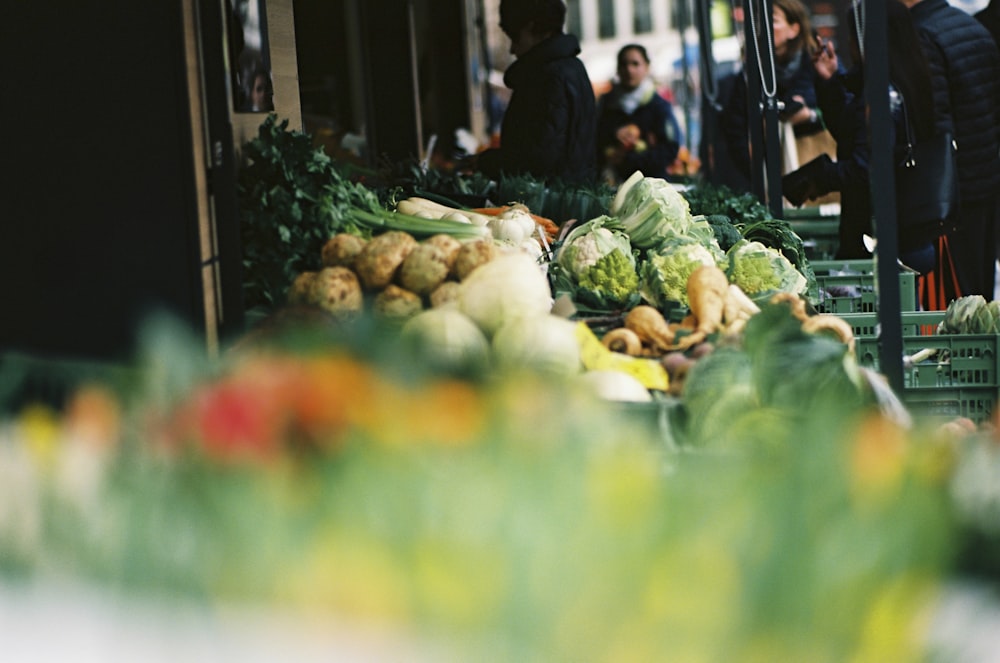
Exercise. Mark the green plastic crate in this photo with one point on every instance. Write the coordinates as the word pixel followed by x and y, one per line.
pixel 944 375
pixel 820 235
pixel 848 286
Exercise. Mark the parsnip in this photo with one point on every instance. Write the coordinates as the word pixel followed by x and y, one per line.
pixel 651 328
pixel 707 287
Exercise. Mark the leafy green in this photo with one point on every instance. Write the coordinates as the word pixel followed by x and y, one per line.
pixel 712 199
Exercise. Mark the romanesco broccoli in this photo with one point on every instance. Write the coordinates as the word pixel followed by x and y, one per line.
pixel 759 269
pixel 664 274
pixel 613 277
pixel 600 263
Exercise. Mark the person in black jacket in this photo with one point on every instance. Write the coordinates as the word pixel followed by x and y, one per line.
pixel 989 16
pixel 972 94
pixel 842 101
pixel 636 127
pixel 549 127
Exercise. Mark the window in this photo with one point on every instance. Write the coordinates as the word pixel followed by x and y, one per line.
pixel 606 19
pixel 642 17
pixel 574 24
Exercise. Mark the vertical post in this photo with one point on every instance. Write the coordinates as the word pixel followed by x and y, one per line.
pixel 882 180
pixel 754 109
pixel 762 110
pixel 390 80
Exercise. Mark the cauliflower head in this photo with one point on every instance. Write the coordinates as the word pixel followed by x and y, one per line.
pixel 664 274
pixel 652 211
pixel 600 262
pixel 758 269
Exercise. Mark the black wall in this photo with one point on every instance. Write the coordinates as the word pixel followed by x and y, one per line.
pixel 98 223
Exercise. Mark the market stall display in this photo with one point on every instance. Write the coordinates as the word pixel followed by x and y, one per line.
pixel 484 432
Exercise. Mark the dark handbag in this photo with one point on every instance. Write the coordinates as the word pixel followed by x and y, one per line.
pixel 926 185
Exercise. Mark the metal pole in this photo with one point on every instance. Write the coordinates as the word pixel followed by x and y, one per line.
pixel 709 84
pixel 872 16
pixel 754 109
pixel 762 106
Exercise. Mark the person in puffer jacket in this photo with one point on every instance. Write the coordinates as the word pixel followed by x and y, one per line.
pixel 549 127
pixel 972 71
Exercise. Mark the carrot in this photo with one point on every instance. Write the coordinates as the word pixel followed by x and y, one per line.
pixel 548 225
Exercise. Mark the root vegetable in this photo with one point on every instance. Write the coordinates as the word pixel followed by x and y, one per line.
pixel 338 291
pixel 445 295
pixel 651 327
pixel 796 303
pixel 623 340
pixel 300 291
pixel 342 249
pixel 706 288
pixel 395 303
pixel 378 261
pixel 473 254
pixel 825 323
pixel 738 306
pixel 423 269
pixel 448 245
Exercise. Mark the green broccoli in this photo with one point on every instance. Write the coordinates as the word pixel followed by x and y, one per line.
pixel 725 232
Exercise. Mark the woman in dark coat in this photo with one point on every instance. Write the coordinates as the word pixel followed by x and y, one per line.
pixel 549 126
pixel 841 99
pixel 636 127
pixel 794 86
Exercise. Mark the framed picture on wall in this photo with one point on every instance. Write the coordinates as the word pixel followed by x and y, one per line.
pixel 249 57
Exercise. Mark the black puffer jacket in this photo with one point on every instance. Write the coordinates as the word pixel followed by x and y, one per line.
pixel 550 125
pixel 972 71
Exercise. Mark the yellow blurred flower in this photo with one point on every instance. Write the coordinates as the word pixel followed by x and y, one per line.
pixel 351 574
pixel 40 428
pixel 897 622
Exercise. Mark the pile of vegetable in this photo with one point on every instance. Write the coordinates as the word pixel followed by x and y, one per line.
pixel 293 198
pixel 658 243
pixel 395 276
